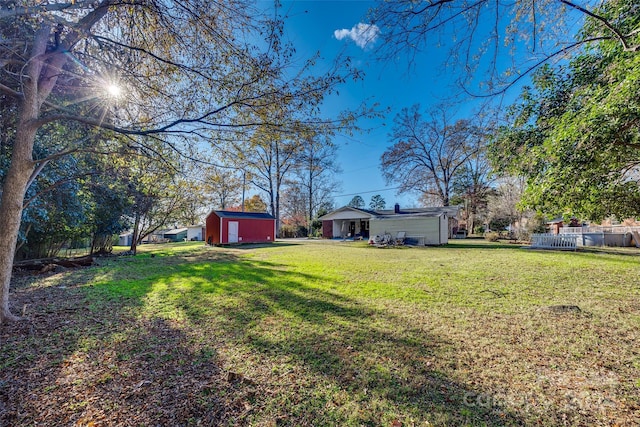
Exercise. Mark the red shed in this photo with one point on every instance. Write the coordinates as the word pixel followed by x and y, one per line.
pixel 225 227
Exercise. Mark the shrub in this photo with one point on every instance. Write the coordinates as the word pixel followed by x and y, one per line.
pixel 491 236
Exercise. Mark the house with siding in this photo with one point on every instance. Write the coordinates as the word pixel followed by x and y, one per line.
pixel 422 226
pixel 175 235
pixel 196 232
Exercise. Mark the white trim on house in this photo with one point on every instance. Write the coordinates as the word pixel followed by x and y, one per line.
pixel 342 219
pixel 426 226
pixel 347 212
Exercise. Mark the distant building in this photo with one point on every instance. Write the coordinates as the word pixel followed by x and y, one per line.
pixel 175 235
pixel 125 239
pixel 195 232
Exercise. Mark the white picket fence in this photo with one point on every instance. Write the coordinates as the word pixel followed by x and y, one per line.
pixel 554 241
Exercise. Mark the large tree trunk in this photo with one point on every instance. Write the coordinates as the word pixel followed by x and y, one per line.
pixel 471 219
pixel 13 193
pixel 40 79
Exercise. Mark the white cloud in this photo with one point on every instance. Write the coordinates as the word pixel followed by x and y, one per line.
pixel 362 34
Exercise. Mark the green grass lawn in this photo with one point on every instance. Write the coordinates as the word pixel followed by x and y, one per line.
pixel 328 333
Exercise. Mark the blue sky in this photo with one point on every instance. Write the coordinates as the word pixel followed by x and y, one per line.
pixel 331 27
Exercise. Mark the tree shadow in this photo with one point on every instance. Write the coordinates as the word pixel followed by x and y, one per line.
pixel 243 342
pixel 85 356
pixel 149 372
pixel 384 362
pixel 248 246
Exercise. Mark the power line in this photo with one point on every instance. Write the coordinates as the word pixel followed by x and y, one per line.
pixel 359 169
pixel 368 192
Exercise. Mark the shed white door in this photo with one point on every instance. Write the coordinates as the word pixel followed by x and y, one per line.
pixel 233 231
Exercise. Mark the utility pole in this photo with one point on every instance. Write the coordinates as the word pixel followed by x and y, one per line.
pixel 244 182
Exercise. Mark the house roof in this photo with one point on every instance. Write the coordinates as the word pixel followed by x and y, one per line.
pixel 433 210
pixel 242 215
pixel 342 212
pixel 175 231
pixel 555 221
pixel 404 215
pixel 348 211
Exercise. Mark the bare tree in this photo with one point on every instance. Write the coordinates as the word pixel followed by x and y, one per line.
pixel 223 186
pixel 269 158
pixel 173 71
pixel 494 44
pixel 472 186
pixel 428 153
pixel 503 204
pixel 294 209
pixel 314 171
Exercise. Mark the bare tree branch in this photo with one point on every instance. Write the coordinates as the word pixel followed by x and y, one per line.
pixel 618 35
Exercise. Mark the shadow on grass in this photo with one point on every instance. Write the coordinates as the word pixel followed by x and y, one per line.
pixel 388 368
pixel 273 245
pixel 88 355
pixel 152 350
pixel 147 372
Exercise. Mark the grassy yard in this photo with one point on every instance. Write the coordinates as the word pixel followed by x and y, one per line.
pixel 327 334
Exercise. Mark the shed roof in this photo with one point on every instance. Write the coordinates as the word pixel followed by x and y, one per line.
pixel 242 215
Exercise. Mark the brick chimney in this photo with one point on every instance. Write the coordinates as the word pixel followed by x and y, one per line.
pixel 397 208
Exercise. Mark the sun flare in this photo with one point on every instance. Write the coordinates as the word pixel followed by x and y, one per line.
pixel 114 90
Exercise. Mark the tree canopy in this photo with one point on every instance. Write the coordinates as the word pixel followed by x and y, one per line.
pixel 575 133
pixel 356 202
pixel 377 202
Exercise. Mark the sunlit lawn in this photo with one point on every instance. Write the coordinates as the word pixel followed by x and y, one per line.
pixel 330 333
